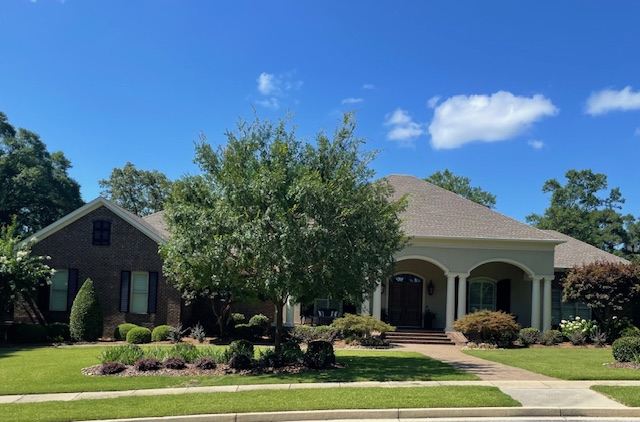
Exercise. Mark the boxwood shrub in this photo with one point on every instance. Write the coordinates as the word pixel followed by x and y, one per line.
pixel 139 335
pixel 529 335
pixel 161 333
pixel 58 331
pixel 551 337
pixel 29 333
pixel 122 330
pixel 319 355
pixel 626 349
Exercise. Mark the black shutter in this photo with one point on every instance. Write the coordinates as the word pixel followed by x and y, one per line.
pixel 153 292
pixel 503 296
pixel 125 283
pixel 44 292
pixel 72 287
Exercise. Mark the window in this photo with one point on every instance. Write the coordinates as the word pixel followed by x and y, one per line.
pixel 101 232
pixel 482 295
pixel 59 291
pixel 138 292
pixel 566 310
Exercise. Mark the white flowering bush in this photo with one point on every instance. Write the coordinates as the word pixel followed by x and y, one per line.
pixel 20 272
pixel 578 330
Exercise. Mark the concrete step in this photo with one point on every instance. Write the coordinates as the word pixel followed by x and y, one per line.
pixel 418 337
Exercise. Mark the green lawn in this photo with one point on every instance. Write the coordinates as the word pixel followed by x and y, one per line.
pixel 258 401
pixel 57 370
pixel 629 396
pixel 567 364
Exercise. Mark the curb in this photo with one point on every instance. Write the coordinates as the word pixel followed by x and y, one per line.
pixel 395 414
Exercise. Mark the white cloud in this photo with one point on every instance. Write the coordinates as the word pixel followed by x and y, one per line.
pixel 536 144
pixel 465 118
pixel 275 87
pixel 270 103
pixel 403 129
pixel 607 100
pixel 352 100
pixel 266 83
pixel 368 86
pixel 433 101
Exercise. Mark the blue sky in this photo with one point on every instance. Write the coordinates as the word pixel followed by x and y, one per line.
pixel 507 93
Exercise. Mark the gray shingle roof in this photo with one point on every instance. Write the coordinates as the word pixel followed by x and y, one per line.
pixel 436 212
pixel 574 252
pixel 156 222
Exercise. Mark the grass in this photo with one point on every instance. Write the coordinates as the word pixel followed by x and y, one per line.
pixel 567 364
pixel 57 370
pixel 258 401
pixel 629 396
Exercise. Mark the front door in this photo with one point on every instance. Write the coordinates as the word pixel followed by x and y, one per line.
pixel 405 300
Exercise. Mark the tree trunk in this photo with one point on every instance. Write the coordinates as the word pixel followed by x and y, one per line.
pixel 279 324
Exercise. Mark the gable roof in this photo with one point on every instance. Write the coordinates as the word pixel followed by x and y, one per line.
pixel 574 253
pixel 157 222
pixel 147 229
pixel 434 212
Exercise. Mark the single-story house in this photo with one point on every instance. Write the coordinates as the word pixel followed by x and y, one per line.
pixel 461 257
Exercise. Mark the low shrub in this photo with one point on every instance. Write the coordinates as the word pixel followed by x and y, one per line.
pixel 529 335
pixel 577 325
pixel 598 337
pixel 291 353
pixel 127 354
pixel 319 355
pixel 160 353
pixel 205 363
pixel 632 331
pixel 244 332
pixel 240 347
pixel 174 362
pixel 369 342
pixel 577 338
pixel 626 349
pixel 147 364
pixel 260 324
pixel 110 368
pixel 361 326
pixel 488 326
pixel 122 330
pixel 186 351
pixel 160 333
pixel 176 333
pixel 615 327
pixel 198 333
pixel 218 354
pixel 29 333
pixel 58 331
pixel 139 335
pixel 307 334
pixel 271 358
pixel 237 318
pixel 551 337
pixel 239 362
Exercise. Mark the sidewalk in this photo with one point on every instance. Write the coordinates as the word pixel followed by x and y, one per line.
pixel 539 395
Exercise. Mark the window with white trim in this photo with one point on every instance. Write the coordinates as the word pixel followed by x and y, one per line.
pixel 139 292
pixel 566 310
pixel 482 295
pixel 59 291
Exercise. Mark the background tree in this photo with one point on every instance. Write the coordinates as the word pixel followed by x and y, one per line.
pixel 462 186
pixel 283 219
pixel 20 272
pixel 609 289
pixel 582 210
pixel 142 192
pixel 34 184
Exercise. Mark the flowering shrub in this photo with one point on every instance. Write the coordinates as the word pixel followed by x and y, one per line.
pixel 586 326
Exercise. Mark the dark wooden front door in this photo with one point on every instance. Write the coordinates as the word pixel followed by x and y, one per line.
pixel 405 300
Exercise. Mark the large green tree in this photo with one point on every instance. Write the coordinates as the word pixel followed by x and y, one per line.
pixel 142 192
pixel 462 186
pixel 34 184
pixel 20 271
pixel 280 218
pixel 582 208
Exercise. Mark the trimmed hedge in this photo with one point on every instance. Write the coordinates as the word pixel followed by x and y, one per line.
pixel 85 320
pixel 139 335
pixel 626 349
pixel 319 355
pixel 161 333
pixel 58 331
pixel 122 330
pixel 29 333
pixel 529 336
pixel 551 337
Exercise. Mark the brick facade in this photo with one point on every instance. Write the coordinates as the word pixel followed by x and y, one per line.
pixel 71 247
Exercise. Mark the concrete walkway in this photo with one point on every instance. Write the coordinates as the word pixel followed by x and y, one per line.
pixel 539 395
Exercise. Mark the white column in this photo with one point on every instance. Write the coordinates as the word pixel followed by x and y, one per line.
pixel 462 295
pixel 535 302
pixel 546 303
pixel 451 302
pixel 289 314
pixel 377 301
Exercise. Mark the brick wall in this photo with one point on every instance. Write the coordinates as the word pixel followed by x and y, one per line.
pixel 129 249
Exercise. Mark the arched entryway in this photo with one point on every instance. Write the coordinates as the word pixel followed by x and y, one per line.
pixel 405 300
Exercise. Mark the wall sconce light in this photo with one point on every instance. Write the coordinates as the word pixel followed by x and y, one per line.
pixel 431 288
